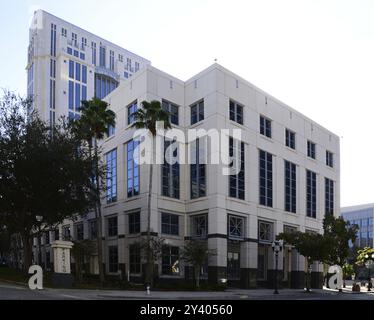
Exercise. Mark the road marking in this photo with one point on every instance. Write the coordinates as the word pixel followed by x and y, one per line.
pixel 74 297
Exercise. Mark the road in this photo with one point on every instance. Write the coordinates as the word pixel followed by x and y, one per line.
pixel 17 292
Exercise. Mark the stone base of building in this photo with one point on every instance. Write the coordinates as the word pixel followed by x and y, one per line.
pixel 248 278
pixel 62 280
pixel 216 275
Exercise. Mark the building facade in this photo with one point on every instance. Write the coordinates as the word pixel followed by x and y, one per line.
pixel 363 217
pixel 67 64
pixel 288 177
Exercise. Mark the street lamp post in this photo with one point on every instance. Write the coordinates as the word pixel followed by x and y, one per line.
pixel 369 260
pixel 277 246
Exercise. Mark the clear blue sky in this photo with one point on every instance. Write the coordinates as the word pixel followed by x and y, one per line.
pixel 315 55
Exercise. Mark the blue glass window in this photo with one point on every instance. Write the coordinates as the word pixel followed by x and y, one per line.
pixel 265 126
pixel 237 181
pixel 70 51
pixel 71 69
pixel 329 196
pixel 132 169
pixel 78 71
pixel 266 178
pixel 84 93
pixel 236 112
pixel 311 194
pixel 71 95
pixel 82 56
pixel 170 224
pixel 84 74
pixel 77 96
pixel 197 112
pixel 198 174
pixel 76 53
pixel 131 109
pixel 290 187
pixel 170 172
pixel 126 75
pixel 111 176
pixel 173 111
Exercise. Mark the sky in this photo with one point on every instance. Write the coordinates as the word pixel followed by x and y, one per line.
pixel 317 56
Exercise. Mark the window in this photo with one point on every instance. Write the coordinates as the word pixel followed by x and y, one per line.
pixel 265 126
pixel 112 227
pixel 290 139
pixel 53 40
pixel 311 146
pixel 290 186
pixel 311 194
pixel 136 66
pixel 265 231
pixel 198 171
pixel 79 231
pixel 170 260
pixel 236 112
pixel 134 222
pixel 329 159
pixel 170 170
pixel 111 131
pixel 266 178
pixel 84 42
pixel 113 259
pixel 170 224
pixel 56 234
pixel 173 111
pixel 236 227
pixel 199 226
pixel 120 57
pixel 78 71
pixel 237 180
pixel 197 112
pixel 74 39
pixel 111 176
pixel 111 60
pixel 66 233
pixel 128 64
pixel 84 74
pixel 93 229
pixel 64 32
pixel 131 109
pixel 77 96
pixel 135 258
pixel 102 59
pixel 104 85
pixel 82 56
pixel 93 48
pixel 132 169
pixel 71 69
pixel 329 196
pixel 233 265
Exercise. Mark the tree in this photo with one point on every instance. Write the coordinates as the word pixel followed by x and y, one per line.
pixel 43 172
pixel 147 118
pixel 196 253
pixel 337 234
pixel 361 258
pixel 310 245
pixel 348 271
pixel 94 122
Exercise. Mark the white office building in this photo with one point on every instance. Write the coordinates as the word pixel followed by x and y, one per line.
pixel 289 176
pixel 67 64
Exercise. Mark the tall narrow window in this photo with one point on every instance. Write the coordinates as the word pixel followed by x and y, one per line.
pixel 197 112
pixel 77 96
pixel 135 258
pixel 102 60
pixel 198 170
pixel 131 109
pixel 79 231
pixel 329 159
pixel 173 111
pixel 237 178
pixel 170 170
pixel 132 169
pixel 53 40
pixel 236 112
pixel 290 139
pixel 93 47
pixel 111 60
pixel 113 259
pixel 136 66
pixel 329 196
pixel 134 222
pixel 289 187
pixel 265 126
pixel 199 226
pixel 71 69
pixel 112 226
pixel 111 176
pixel 71 95
pixel 311 194
pixel 311 148
pixel 266 178
pixel 236 227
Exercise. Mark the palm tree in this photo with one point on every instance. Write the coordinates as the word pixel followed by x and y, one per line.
pixel 94 122
pixel 147 118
